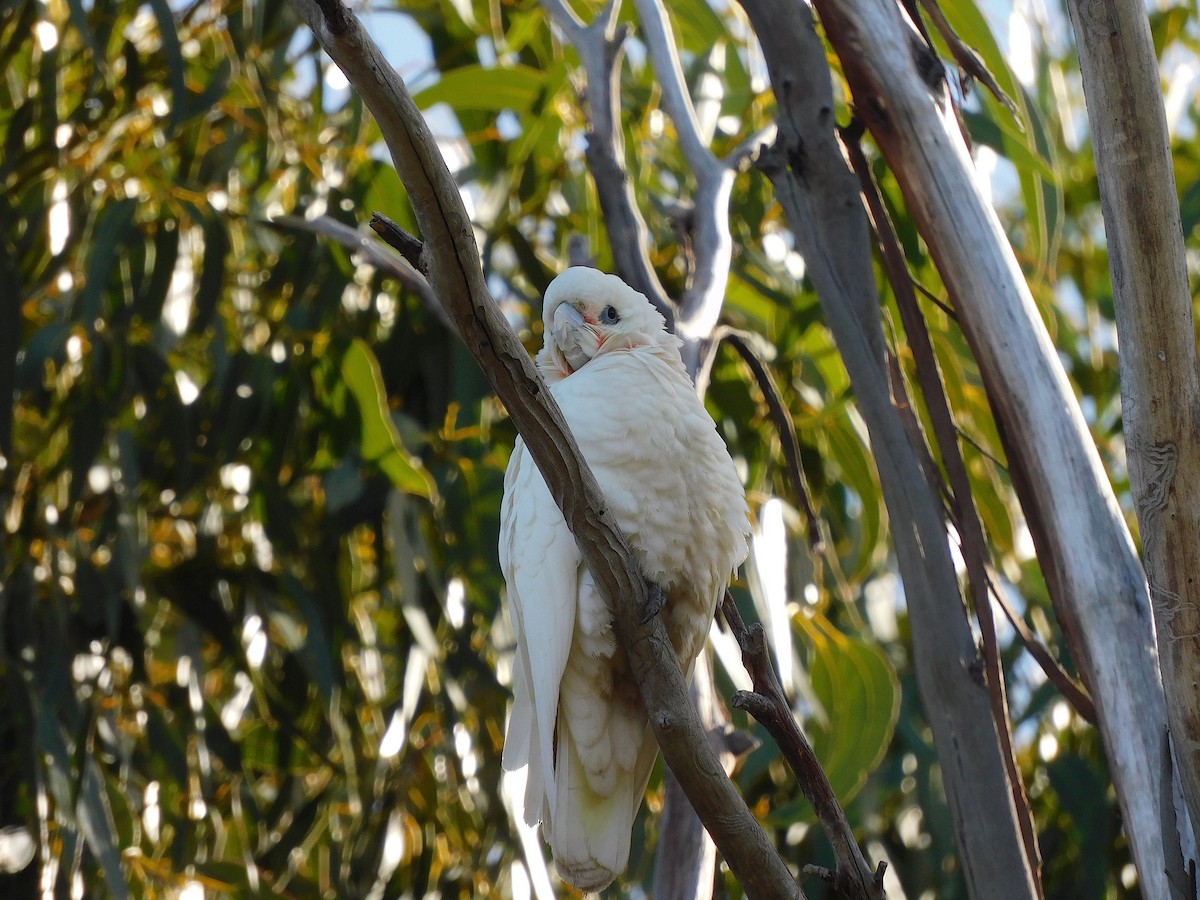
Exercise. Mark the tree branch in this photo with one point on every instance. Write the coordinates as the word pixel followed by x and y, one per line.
pixel 769 705
pixel 676 101
pixel 1073 693
pixel 712 244
pixel 1160 373
pixel 784 426
pixel 457 278
pixel 599 46
pixel 403 270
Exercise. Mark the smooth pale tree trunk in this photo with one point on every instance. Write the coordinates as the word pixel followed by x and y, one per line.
pixel 1095 579
pixel 820 195
pixel 1160 380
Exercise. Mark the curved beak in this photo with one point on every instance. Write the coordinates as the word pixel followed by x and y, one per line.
pixel 565 322
pixel 577 341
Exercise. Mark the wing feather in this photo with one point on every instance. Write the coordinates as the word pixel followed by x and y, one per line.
pixel 541 565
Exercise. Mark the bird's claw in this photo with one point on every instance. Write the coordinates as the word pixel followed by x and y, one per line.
pixel 655 601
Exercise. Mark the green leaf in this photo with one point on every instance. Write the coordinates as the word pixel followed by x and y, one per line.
pixel 96 822
pixel 385 193
pixel 379 441
pixel 1189 208
pixel 1083 796
pixel 479 87
pixel 697 25
pixel 109 234
pixel 1168 25
pixel 1002 135
pixel 316 652
pixel 1040 190
pixel 859 476
pixel 212 273
pixel 173 51
pixel 79 19
pixel 855 683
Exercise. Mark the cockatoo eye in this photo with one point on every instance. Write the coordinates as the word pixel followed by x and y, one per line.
pixel 609 316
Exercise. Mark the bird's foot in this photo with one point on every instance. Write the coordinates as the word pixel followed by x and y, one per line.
pixel 655 601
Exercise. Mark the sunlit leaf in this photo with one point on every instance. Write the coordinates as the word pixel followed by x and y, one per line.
pixel 855 683
pixel 479 87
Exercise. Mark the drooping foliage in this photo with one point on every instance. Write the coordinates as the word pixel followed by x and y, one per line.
pixel 252 627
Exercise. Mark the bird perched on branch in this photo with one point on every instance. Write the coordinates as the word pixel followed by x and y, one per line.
pixel 577 721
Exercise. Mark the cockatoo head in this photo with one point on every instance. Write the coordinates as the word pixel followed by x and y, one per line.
pixel 588 313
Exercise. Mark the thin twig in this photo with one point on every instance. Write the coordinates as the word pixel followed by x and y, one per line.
pixel 1073 692
pixel 409 246
pixel 375 254
pixel 981 450
pixel 784 426
pixel 676 101
pixel 937 301
pixel 769 705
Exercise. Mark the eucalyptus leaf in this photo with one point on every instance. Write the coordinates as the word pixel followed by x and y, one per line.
pixel 480 88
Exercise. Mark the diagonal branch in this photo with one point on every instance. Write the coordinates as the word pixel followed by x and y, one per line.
pixel 406 270
pixel 782 419
pixel 968 60
pixel 664 56
pixel 769 705
pixel 457 278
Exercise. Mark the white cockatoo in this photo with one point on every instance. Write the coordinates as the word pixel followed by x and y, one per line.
pixel 577 722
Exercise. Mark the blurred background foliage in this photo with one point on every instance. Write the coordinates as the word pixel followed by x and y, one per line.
pixel 253 641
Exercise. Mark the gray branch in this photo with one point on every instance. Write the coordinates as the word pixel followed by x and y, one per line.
pixel 373 253
pixel 664 56
pixel 712 244
pixel 1160 377
pixel 457 279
